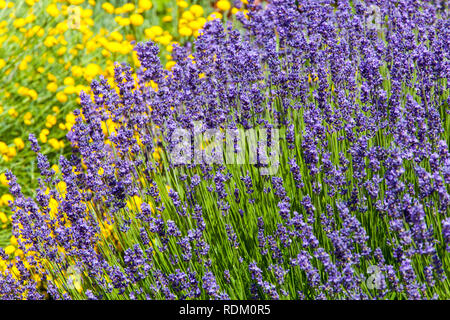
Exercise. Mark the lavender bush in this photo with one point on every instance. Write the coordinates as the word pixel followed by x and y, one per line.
pixel 356 95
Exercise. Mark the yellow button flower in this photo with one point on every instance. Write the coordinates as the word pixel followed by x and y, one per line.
pixel 145 4
pixel 13 113
pixel 197 10
pixel 12 152
pixel 52 87
pixel 3 147
pixel 153 32
pixel 3 217
pixel 188 15
pixel 4 180
pixel 223 5
pixel 128 7
pixel 6 198
pixel 136 19
pixel 182 4
pixel 214 15
pixel 185 31
pixel 170 64
pixel 124 22
pixel 52 10
pixel 19 143
pixel 19 23
pixel 69 81
pixel 10 249
pixel 108 7
pixel 61 97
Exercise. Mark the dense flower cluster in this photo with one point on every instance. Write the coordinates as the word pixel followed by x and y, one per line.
pixel 50 51
pixel 358 208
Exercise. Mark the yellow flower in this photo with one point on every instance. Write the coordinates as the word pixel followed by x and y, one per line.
pixel 62 188
pixel 50 41
pixel 214 15
pixel 12 152
pixel 69 81
pixel 136 19
pixel 61 51
pixel 167 19
pixel 113 46
pixel 73 51
pixel 108 7
pixel 55 168
pixel 3 180
pixel 185 31
pixel 145 4
pixel 128 7
pixel 125 48
pixel 6 198
pixel 197 10
pixel 70 120
pixel 23 65
pixel 2 63
pixel 188 15
pixel 50 121
pixel 165 40
pixel 170 64
pixel 52 10
pixel 43 138
pixel 19 253
pixel 30 18
pixel 32 94
pixel 153 32
pixel 3 217
pixel 54 143
pixel 105 53
pixel 10 249
pixel 195 25
pixel 19 143
pixel 13 113
pixel 86 13
pixel 51 77
pixel 52 87
pixel 116 36
pixel 61 96
pixel 3 147
pixel 77 71
pixel 182 4
pixel 40 32
pixel 19 23
pixel 13 241
pixel 201 20
pixel 223 5
pixel 91 71
pixel 123 21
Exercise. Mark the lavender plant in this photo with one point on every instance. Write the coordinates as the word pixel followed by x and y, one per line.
pixel 357 208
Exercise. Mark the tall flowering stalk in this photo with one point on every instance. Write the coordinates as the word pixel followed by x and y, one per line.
pixel 357 208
